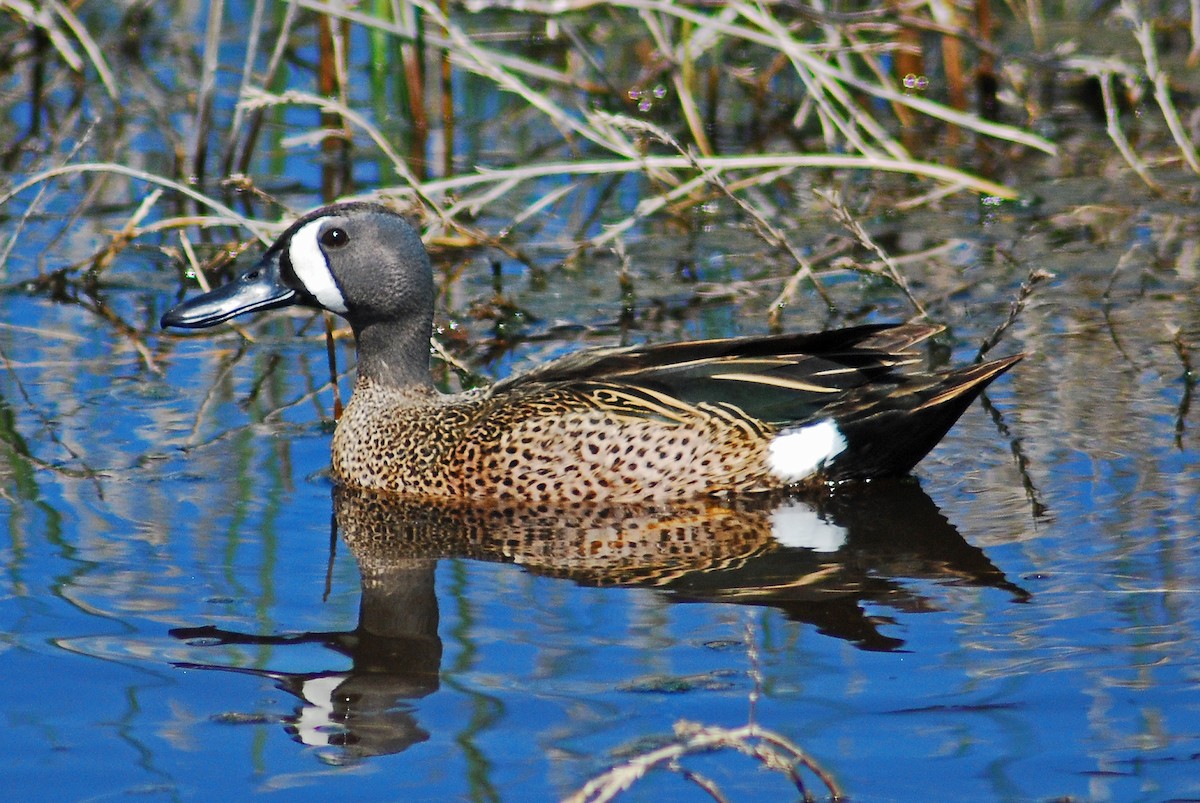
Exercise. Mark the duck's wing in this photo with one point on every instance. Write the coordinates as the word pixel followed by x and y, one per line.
pixel 777 380
pixel 884 345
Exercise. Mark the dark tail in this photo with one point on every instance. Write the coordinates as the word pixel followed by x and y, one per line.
pixel 889 435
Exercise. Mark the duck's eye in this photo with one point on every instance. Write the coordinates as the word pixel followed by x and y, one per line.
pixel 334 238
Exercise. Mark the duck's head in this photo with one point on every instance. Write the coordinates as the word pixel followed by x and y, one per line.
pixel 359 260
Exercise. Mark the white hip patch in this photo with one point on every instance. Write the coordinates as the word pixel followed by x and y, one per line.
pixel 312 269
pixel 796 454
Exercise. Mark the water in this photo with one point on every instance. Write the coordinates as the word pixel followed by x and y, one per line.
pixel 189 610
pixel 174 623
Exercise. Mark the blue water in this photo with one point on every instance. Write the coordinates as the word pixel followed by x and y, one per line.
pixel 168 632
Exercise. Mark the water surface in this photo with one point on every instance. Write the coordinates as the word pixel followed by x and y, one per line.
pixel 191 610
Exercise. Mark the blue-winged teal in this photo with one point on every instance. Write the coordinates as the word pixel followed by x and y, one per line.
pixel 648 422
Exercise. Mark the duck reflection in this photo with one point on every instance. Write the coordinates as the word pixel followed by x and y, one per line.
pixel 818 559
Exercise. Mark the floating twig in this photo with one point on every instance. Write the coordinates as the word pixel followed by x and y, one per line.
pixel 1036 276
pixel 774 751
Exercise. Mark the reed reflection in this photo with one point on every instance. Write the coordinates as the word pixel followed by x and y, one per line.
pixel 820 560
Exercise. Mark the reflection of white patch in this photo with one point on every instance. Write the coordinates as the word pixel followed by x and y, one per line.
pixel 798 525
pixel 308 261
pixel 796 454
pixel 315 724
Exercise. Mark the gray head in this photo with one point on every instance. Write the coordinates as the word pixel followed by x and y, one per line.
pixel 359 260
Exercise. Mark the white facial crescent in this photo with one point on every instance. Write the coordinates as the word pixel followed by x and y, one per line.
pixel 312 269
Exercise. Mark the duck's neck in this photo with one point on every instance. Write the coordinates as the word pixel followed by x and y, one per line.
pixel 395 354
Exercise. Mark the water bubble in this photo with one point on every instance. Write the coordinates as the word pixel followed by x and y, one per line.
pixel 644 99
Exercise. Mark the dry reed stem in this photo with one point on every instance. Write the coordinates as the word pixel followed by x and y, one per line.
pixel 45 334
pixel 204 93
pixel 131 333
pixel 536 208
pixel 842 214
pixel 757 161
pixel 480 63
pixel 202 280
pixel 258 98
pixel 253 34
pixel 19 228
pixel 1144 35
pixel 122 238
pixel 770 234
pixel 440 352
pixel 827 83
pixel 41 18
pixel 682 76
pixel 515 64
pixel 866 52
pixel 89 46
pixel 1112 126
pixel 202 222
pixel 935 194
pixel 78 146
pixel 779 39
pixel 1193 58
pixel 708 785
pixel 189 254
pixel 232 217
pixel 645 208
pixel 947 16
pixel 823 88
pixel 242 158
pixel 503 69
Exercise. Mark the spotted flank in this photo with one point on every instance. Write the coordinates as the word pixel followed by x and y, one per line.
pixel 311 267
pixel 642 423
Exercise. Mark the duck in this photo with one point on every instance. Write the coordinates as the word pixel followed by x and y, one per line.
pixel 642 423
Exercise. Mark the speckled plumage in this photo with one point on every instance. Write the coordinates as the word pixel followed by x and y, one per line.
pixel 658 422
pixel 544 441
